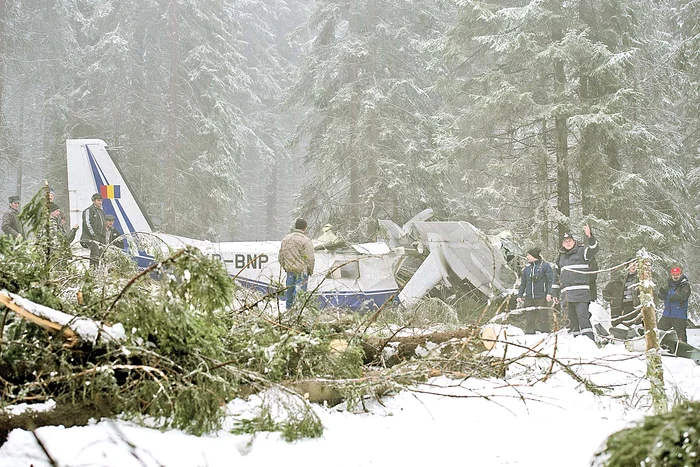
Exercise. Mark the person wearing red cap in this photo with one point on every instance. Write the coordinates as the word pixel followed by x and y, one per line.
pixel 675 296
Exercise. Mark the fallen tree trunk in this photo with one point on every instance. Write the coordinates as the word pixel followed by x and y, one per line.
pixel 404 347
pixel 71 328
pixel 67 415
pixel 8 300
pixel 377 383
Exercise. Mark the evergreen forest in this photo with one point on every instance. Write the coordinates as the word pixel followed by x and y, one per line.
pixel 230 118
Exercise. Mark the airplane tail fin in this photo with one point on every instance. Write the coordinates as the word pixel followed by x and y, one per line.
pixel 92 170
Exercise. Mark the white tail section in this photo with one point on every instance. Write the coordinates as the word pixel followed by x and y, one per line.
pixel 91 170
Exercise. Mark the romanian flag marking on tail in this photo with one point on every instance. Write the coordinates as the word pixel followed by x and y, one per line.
pixel 110 191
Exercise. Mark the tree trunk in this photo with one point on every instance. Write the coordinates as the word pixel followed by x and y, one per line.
pixel 562 140
pixel 407 345
pixel 67 415
pixel 563 193
pixel 354 141
pixel 3 53
pixel 172 142
pixel 271 201
pixel 655 371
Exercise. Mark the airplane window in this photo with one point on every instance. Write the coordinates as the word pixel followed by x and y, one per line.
pixel 345 269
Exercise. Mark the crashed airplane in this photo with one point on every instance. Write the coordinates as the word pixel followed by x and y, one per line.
pixel 356 276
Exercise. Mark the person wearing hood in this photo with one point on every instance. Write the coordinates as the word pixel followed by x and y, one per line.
pixel 573 277
pixel 675 296
pixel 536 291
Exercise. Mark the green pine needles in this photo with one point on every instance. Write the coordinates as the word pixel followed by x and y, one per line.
pixel 185 353
pixel 667 440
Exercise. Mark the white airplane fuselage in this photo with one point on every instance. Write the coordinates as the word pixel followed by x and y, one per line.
pixel 358 276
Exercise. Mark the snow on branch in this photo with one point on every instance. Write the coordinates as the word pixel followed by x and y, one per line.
pixel 72 328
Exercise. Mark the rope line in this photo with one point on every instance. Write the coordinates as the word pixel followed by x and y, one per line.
pixel 613 268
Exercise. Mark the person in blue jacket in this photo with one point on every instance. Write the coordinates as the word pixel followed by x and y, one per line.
pixel 536 291
pixel 675 296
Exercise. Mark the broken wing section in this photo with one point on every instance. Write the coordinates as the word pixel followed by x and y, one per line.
pixel 462 249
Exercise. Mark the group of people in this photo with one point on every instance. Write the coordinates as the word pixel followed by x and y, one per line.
pixel 571 283
pixel 97 231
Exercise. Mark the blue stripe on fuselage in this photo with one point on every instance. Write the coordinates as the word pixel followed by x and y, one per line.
pixel 353 299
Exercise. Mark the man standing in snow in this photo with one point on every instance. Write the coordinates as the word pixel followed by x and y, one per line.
pixel 675 296
pixel 572 270
pixel 536 291
pixel 11 224
pixel 296 257
pixel 93 236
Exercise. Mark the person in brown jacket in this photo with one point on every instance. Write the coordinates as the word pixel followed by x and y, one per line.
pixel 296 257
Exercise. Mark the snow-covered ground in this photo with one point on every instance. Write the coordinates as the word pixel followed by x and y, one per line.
pixel 476 422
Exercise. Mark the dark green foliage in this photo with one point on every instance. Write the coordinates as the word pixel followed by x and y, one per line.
pixel 161 369
pixel 185 351
pixel 185 311
pixel 33 266
pixel 281 353
pixel 667 440
pixel 14 260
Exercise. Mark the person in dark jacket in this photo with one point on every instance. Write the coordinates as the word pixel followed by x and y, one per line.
pixel 94 231
pixel 623 295
pixel 536 291
pixel 59 238
pixel 572 275
pixel 58 224
pixel 11 224
pixel 675 295
pixel 112 234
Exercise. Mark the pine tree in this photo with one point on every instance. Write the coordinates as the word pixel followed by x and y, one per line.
pixel 370 134
pixel 271 173
pixel 551 104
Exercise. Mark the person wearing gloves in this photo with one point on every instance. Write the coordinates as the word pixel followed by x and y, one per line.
pixel 572 271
